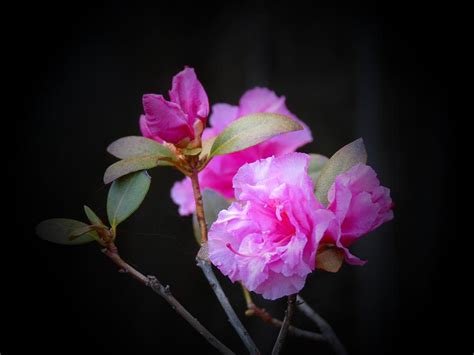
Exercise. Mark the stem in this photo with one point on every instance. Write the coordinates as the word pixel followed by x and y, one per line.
pixel 206 267
pixel 264 315
pixel 285 326
pixel 164 291
pixel 199 206
pixel 324 326
pixel 224 301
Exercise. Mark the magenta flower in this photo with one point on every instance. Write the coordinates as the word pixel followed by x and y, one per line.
pixel 174 121
pixel 359 205
pixel 268 238
pixel 220 171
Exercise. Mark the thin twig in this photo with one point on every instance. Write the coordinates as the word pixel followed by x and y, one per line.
pixel 199 206
pixel 206 268
pixel 164 291
pixel 264 315
pixel 224 301
pixel 284 327
pixel 254 310
pixel 323 326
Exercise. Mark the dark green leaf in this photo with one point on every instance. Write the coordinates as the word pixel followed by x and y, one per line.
pixel 344 159
pixel 127 166
pixel 59 230
pixel 125 196
pixel 135 146
pixel 251 130
pixel 213 204
pixel 92 217
pixel 316 164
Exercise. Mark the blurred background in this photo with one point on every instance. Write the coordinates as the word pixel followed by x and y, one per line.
pixel 348 73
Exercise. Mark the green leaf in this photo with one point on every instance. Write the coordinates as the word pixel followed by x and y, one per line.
pixel 206 147
pixel 81 231
pixel 130 165
pixel 192 151
pixel 316 164
pixel 59 230
pixel 125 196
pixel 92 217
pixel 135 146
pixel 213 204
pixel 344 159
pixel 251 130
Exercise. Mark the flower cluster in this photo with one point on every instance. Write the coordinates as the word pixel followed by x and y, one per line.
pixel 269 238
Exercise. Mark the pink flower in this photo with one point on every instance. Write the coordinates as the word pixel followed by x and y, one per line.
pixel 359 205
pixel 268 238
pixel 220 171
pixel 174 121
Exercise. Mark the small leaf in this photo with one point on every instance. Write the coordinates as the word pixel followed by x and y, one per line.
pixel 81 231
pixel 58 230
pixel 329 259
pixel 125 196
pixel 136 146
pixel 344 159
pixel 92 217
pixel 251 130
pixel 206 147
pixel 213 204
pixel 316 164
pixel 192 151
pixel 130 165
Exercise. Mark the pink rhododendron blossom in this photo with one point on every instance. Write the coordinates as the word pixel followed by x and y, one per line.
pixel 174 120
pixel 219 173
pixel 359 205
pixel 268 238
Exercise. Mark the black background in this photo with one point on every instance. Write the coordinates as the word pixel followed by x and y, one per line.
pixel 80 72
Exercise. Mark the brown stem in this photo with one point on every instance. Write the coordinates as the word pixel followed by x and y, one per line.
pixel 199 206
pixel 263 314
pixel 285 326
pixel 164 291
pixel 254 310
pixel 323 326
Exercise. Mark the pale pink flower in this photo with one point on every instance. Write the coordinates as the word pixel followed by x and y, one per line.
pixel 359 205
pixel 268 238
pixel 220 171
pixel 174 121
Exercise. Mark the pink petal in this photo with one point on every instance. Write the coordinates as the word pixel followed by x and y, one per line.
pixel 188 93
pixel 146 131
pixel 182 195
pixel 222 115
pixel 165 119
pixel 261 100
pixel 277 286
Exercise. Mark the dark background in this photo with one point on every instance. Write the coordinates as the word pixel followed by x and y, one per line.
pixel 81 71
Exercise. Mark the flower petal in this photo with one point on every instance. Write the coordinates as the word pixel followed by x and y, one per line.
pixel 165 119
pixel 182 195
pixel 222 115
pixel 188 93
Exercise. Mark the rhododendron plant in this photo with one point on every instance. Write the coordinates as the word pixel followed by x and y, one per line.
pixel 292 213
